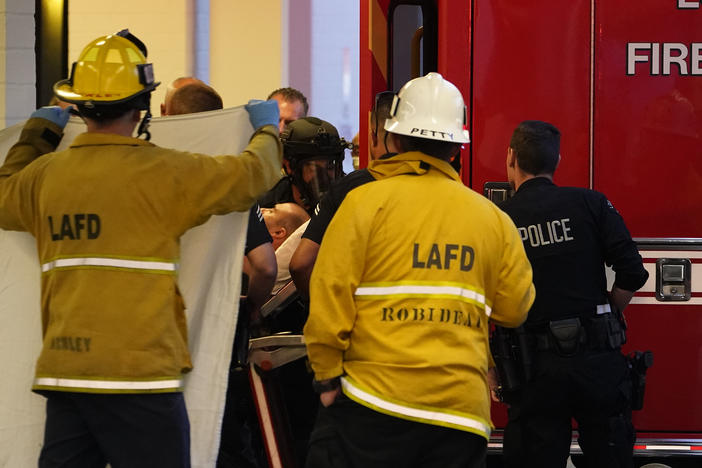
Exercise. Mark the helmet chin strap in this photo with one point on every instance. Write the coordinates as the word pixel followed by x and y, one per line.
pixel 385 142
pixel 146 120
pixel 144 126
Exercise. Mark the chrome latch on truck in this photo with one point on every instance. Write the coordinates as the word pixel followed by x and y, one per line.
pixel 673 279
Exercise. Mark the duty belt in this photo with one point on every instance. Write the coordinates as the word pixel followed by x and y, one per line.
pixel 568 336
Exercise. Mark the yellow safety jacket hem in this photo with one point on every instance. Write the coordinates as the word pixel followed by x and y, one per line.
pixel 417 413
pixel 108 385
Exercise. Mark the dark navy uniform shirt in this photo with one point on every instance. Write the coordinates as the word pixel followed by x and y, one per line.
pixel 569 235
pixel 256 232
pixel 331 201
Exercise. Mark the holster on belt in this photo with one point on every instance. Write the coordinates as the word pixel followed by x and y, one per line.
pixel 503 353
pixel 568 336
pixel 639 362
pixel 512 350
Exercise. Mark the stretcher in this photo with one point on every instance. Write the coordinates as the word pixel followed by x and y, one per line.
pixel 281 386
pixel 267 354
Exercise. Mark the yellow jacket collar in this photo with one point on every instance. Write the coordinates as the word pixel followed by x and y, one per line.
pixel 412 162
pixel 99 139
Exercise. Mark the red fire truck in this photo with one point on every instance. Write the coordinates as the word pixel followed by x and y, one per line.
pixel 623 82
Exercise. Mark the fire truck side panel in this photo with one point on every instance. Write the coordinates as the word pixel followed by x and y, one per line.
pixel 648 115
pixel 648 160
pixel 622 82
pixel 373 64
pixel 454 58
pixel 672 395
pixel 531 61
pixel 671 330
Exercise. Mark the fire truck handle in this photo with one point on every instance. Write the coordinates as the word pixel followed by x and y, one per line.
pixel 415 50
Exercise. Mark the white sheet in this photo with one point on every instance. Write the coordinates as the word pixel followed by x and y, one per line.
pixel 209 278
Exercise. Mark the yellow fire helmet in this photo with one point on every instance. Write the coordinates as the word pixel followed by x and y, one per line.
pixel 110 70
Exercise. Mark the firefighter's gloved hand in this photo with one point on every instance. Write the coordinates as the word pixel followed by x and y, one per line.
pixel 263 112
pixel 53 114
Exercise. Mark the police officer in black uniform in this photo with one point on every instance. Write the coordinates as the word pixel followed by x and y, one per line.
pixel 313 155
pixel 575 327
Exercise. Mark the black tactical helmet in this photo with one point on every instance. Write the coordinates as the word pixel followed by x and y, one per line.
pixel 312 138
pixel 315 153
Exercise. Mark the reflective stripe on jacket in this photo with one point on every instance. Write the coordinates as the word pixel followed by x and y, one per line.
pixel 107 215
pixel 410 270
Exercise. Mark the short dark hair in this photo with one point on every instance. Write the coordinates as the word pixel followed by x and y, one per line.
pixel 292 94
pixel 439 149
pixel 537 146
pixel 381 110
pixel 194 97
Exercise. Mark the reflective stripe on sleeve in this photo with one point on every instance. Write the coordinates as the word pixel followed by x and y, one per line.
pixel 124 385
pixel 427 416
pixel 109 262
pixel 369 291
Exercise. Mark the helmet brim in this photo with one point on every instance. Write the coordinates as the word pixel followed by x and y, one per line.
pixel 64 91
pixel 393 125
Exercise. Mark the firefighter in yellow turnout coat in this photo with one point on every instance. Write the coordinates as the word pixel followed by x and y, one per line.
pixel 410 271
pixel 107 215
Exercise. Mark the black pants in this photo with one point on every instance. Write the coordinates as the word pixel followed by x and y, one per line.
pixel 128 431
pixel 348 435
pixel 594 389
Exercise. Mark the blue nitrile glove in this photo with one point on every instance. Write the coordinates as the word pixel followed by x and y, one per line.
pixel 263 112
pixel 53 114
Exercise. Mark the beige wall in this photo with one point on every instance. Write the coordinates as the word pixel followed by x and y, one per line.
pixel 17 64
pixel 163 25
pixel 245 49
pixel 3 55
pixel 245 40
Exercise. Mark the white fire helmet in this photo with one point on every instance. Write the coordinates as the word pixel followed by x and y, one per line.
pixel 429 107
